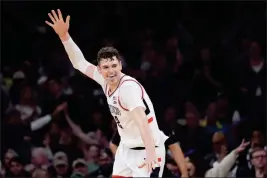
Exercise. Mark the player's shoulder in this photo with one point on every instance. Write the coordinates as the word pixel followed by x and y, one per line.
pixel 129 81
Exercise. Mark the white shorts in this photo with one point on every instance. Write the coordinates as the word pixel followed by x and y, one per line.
pixel 127 162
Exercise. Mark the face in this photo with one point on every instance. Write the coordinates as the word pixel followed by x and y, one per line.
pixel 38 159
pixel 191 120
pixel 110 70
pixel 259 159
pixel 170 114
pixel 8 157
pixel 81 168
pixel 93 152
pixel 61 169
pixel 54 87
pixel 16 168
pixel 257 138
pixel 27 93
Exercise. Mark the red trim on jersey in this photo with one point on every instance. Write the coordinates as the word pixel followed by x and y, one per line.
pixel 116 176
pixel 159 159
pixel 150 120
pixel 135 82
pixel 121 105
pixel 106 89
pixel 109 95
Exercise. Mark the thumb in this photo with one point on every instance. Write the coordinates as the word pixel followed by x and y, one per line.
pixel 68 20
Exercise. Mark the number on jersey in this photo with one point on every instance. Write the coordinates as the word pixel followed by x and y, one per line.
pixel 118 122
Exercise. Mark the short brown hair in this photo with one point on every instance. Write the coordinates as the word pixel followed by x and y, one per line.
pixel 107 52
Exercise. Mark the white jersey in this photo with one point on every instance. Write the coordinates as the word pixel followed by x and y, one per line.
pixel 128 95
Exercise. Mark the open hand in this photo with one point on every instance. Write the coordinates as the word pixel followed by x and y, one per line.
pixel 150 162
pixel 59 108
pixel 58 24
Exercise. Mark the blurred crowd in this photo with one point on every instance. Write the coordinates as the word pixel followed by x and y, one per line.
pixel 209 87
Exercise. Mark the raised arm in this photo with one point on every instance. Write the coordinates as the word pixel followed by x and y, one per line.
pixel 75 54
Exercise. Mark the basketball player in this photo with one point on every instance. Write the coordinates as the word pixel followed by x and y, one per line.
pixel 141 152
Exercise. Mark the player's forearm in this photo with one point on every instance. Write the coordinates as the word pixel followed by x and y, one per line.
pixel 75 54
pixel 179 158
pixel 145 131
pixel 147 137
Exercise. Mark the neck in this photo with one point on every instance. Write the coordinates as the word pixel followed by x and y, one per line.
pixel 113 87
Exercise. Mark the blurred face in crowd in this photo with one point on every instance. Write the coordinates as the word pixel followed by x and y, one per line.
pixel 61 169
pixel 8 157
pixel 170 114
pixel 26 93
pixel 191 120
pixel 16 168
pixel 39 157
pixel 258 159
pixel 255 50
pixel 93 152
pixel 55 87
pixel 110 69
pixel 257 139
pixel 212 113
pixel 82 168
pixel 191 115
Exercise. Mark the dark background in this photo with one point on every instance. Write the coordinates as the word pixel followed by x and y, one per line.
pixel 226 29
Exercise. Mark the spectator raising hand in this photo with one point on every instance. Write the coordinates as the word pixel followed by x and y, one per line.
pixel 242 146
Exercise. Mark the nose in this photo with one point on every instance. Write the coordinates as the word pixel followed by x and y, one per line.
pixel 110 71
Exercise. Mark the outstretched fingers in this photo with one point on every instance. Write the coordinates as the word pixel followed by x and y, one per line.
pixel 50 24
pixel 52 18
pixel 55 15
pixel 59 14
pixel 68 20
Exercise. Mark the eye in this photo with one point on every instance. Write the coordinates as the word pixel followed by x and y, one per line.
pixel 114 65
pixel 105 67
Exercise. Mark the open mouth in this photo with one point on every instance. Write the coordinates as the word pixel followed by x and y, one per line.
pixel 111 76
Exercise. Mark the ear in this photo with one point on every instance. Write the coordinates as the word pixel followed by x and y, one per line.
pixel 120 65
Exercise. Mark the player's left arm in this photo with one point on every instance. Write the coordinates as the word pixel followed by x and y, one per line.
pixel 131 97
pixel 176 152
pixel 179 158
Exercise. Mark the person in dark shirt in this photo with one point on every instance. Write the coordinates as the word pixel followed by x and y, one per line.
pixel 170 144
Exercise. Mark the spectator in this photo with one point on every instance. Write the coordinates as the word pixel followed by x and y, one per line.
pixel 258 162
pixel 61 166
pixel 79 166
pixel 9 155
pixel 220 149
pixel 40 159
pixel 27 106
pixel 17 168
pixel 223 167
